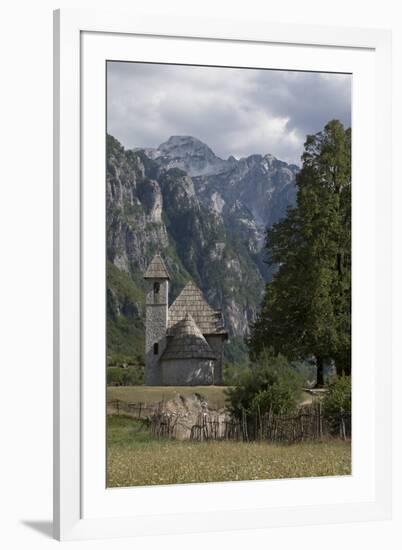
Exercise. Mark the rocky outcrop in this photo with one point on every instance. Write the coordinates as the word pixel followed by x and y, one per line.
pixel 207 216
pixel 188 417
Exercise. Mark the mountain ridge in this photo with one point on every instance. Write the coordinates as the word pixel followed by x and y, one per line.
pixel 179 147
pixel 207 216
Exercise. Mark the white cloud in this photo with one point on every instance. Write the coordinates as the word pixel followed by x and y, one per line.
pixel 235 111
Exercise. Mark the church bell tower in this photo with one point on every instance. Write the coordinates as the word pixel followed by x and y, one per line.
pixel 156 318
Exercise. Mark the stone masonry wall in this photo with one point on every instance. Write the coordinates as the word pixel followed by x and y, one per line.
pixel 187 372
pixel 155 330
pixel 216 344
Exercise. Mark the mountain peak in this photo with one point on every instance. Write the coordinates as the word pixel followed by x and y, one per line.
pixel 181 146
pixel 181 140
pixel 189 154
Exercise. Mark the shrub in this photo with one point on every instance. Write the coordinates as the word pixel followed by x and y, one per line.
pixel 337 406
pixel 233 372
pixel 122 360
pixel 338 400
pixel 270 385
pixel 131 376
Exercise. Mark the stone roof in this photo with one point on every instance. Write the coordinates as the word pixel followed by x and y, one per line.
pixel 157 269
pixel 187 342
pixel 191 300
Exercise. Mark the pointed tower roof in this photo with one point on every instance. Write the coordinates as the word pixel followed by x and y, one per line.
pixel 191 300
pixel 187 342
pixel 157 269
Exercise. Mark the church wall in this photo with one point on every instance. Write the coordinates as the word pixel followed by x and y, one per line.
pixel 216 344
pixel 187 372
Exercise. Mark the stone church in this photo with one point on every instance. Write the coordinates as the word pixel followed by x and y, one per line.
pixel 183 342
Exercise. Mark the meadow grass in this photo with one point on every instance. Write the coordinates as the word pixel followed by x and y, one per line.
pixel 215 395
pixel 135 458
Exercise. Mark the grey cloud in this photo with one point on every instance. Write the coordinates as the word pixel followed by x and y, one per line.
pixel 234 111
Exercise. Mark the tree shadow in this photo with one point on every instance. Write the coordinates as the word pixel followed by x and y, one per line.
pixel 43 527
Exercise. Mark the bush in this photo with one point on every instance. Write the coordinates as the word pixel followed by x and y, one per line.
pixel 122 360
pixel 233 372
pixel 131 376
pixel 306 371
pixel 270 385
pixel 337 406
pixel 338 400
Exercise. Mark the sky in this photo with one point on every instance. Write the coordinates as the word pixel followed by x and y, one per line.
pixel 235 112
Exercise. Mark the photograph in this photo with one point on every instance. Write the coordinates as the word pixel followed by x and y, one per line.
pixel 228 274
pixel 203 239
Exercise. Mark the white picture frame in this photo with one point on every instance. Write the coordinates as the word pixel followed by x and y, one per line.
pixel 83 507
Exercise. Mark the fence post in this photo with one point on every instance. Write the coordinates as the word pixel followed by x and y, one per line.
pixel 244 422
pixel 320 419
pixel 343 425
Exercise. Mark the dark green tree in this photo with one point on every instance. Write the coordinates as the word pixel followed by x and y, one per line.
pixel 306 310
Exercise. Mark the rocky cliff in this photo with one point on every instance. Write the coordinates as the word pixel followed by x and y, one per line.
pixel 206 215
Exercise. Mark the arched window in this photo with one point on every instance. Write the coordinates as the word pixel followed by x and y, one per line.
pixel 157 287
pixel 156 348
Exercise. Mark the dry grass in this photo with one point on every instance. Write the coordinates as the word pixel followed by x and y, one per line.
pixel 154 394
pixel 135 459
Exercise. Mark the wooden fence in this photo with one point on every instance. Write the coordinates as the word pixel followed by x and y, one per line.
pixel 309 423
pixel 137 410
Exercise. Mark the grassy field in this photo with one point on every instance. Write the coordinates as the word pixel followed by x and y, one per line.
pixel 215 395
pixel 153 394
pixel 134 458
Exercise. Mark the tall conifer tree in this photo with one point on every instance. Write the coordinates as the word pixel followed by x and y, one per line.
pixel 306 310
